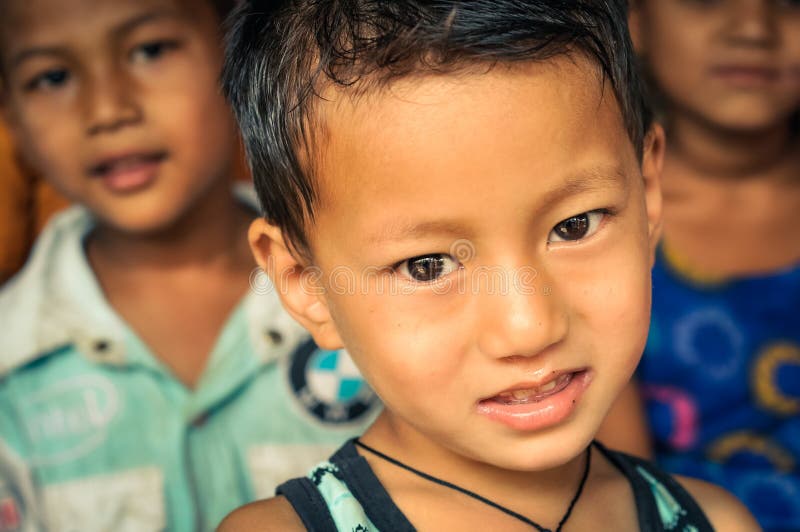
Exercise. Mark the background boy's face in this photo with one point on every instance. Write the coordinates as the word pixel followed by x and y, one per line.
pixel 117 102
pixel 484 168
pixel 735 63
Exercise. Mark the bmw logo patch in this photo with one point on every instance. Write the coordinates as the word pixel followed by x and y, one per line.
pixel 328 384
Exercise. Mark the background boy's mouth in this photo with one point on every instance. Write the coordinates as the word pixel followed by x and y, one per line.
pixel 128 173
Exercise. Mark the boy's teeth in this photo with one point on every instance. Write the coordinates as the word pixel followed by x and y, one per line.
pixel 520 394
pixel 547 387
pixel 534 394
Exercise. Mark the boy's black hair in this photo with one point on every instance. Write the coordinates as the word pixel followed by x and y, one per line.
pixel 280 54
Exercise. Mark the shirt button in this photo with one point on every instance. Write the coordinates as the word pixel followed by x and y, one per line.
pixel 274 336
pixel 101 347
pixel 200 420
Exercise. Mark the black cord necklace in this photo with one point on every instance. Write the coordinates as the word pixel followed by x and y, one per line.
pixel 483 499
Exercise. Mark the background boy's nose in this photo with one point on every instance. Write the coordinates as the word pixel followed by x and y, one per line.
pixel 110 104
pixel 751 22
pixel 522 322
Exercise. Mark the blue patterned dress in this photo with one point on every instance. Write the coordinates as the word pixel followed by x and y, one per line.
pixel 721 380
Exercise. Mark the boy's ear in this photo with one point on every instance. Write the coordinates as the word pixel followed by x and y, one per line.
pixel 652 164
pixel 297 284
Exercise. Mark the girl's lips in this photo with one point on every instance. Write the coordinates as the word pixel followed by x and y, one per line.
pixel 745 75
pixel 537 408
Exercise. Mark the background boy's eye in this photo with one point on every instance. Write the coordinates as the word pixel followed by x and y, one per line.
pixel 576 227
pixel 428 268
pixel 49 79
pixel 702 2
pixel 152 50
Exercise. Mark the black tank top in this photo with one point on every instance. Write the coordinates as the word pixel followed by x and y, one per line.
pixel 345 491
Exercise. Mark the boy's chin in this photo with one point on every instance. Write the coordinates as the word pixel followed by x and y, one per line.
pixel 139 221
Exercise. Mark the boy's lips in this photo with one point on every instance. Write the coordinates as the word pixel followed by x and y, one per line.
pixel 128 172
pixel 534 406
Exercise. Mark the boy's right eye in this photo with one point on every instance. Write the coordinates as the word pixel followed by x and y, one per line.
pixel 428 268
pixel 49 79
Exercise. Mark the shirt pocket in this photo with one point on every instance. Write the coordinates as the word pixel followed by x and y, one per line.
pixel 127 501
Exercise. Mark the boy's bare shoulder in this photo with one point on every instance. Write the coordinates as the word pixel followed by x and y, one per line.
pixel 724 510
pixel 275 514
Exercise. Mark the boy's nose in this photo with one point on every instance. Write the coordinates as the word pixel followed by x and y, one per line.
pixel 110 104
pixel 522 322
pixel 751 22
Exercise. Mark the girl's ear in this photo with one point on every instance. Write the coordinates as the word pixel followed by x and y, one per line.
pixel 298 285
pixel 652 165
pixel 635 24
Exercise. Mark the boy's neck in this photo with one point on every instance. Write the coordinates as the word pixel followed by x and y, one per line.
pixel 543 493
pixel 212 232
pixel 177 288
pixel 709 151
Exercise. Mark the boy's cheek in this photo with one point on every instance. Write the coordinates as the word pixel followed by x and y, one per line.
pixel 409 344
pixel 611 293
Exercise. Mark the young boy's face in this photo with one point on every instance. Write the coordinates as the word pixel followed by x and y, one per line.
pixel 468 180
pixel 732 63
pixel 117 103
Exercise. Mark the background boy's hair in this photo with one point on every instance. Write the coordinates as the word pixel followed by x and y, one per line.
pixel 222 7
pixel 281 54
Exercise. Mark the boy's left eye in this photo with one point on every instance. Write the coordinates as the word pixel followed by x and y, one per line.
pixel 428 268
pixel 577 227
pixel 151 50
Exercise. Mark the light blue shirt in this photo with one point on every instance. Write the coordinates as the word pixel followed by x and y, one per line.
pixel 97 434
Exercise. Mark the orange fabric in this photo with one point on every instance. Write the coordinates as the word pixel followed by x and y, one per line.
pixel 25 205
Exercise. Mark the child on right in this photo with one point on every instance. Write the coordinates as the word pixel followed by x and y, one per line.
pixel 720 372
pixel 412 157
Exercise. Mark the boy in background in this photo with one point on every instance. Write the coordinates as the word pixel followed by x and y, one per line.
pixel 139 389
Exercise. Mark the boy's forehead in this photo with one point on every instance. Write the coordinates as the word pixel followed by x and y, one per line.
pixel 573 79
pixel 42 22
pixel 512 141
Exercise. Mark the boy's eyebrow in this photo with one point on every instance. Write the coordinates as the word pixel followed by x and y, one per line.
pixel 144 18
pixel 585 180
pixel 122 28
pixel 402 230
pixel 34 51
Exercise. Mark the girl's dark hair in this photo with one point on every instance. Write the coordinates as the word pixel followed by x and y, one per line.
pixel 280 53
pixel 224 7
